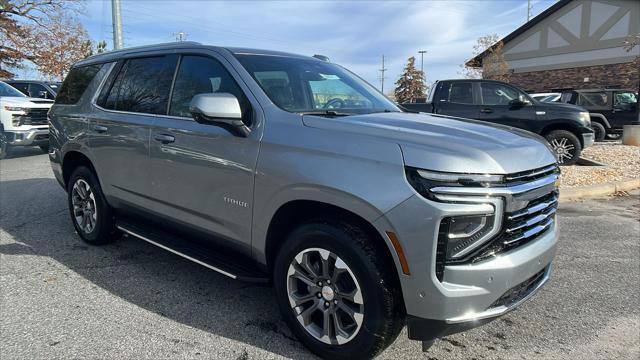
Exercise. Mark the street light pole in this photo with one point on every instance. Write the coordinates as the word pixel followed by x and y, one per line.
pixel 116 20
pixel 424 80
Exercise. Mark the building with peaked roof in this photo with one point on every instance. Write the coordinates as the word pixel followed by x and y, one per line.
pixel 574 44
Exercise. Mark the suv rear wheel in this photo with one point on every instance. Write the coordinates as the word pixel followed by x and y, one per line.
pixel 336 292
pixel 566 146
pixel 91 215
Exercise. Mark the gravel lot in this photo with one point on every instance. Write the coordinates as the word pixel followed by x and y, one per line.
pixel 60 298
pixel 622 163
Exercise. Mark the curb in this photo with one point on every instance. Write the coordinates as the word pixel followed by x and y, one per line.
pixel 600 190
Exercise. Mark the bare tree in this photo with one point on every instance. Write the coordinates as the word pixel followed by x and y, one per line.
pixel 494 65
pixel 410 85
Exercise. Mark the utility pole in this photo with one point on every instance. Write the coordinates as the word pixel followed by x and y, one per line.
pixel 382 77
pixel 180 36
pixel 116 20
pixel 528 10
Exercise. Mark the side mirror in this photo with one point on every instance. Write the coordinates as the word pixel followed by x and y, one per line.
pixel 222 109
pixel 517 103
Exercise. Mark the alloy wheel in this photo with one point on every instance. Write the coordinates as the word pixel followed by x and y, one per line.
pixel 564 149
pixel 85 212
pixel 325 296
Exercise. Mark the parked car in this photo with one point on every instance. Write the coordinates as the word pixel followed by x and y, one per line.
pixel 36 88
pixel 23 120
pixel 566 127
pixel 546 97
pixel 610 109
pixel 285 169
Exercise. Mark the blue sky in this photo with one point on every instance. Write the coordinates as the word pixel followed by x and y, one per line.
pixel 354 34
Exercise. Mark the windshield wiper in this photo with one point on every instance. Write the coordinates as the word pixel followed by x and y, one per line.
pixel 331 113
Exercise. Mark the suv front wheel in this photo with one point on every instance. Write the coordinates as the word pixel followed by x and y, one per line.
pixel 566 146
pixel 336 292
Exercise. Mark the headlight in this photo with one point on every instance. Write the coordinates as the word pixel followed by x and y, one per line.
pixel 585 118
pixel 423 180
pixel 14 108
pixel 460 235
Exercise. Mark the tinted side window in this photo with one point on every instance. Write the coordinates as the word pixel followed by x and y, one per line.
pixel 36 91
pixel 202 75
pixel 23 87
pixel 499 94
pixel 143 85
pixel 76 83
pixel 597 99
pixel 461 93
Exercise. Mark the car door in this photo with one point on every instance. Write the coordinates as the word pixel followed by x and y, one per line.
pixel 506 105
pixel 625 107
pixel 456 99
pixel 203 174
pixel 136 91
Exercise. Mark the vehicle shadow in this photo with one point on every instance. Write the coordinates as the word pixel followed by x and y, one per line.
pixel 24 151
pixel 35 216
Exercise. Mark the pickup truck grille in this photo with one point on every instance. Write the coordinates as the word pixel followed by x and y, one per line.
pixel 32 117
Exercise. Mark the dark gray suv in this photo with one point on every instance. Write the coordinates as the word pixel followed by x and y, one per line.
pixel 285 169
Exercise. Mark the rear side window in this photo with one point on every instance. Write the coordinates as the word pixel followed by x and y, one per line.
pixel 594 99
pixel 461 93
pixel 202 75
pixel 76 83
pixel 142 85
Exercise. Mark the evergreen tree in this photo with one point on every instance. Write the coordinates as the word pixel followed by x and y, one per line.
pixel 410 85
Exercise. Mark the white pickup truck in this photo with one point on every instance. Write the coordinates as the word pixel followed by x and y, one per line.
pixel 23 120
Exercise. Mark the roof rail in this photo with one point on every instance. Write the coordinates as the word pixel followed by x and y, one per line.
pixel 167 45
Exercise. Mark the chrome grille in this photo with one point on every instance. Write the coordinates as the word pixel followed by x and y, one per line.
pixel 523 226
pixel 32 117
pixel 530 175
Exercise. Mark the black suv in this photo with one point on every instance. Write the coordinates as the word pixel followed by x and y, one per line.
pixel 610 109
pixel 36 88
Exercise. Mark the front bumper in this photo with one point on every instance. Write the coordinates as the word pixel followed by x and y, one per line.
pixel 468 294
pixel 587 139
pixel 33 137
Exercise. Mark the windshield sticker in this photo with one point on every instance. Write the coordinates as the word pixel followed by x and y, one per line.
pixel 329 77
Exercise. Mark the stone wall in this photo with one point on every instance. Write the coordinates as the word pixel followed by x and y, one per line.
pixel 626 75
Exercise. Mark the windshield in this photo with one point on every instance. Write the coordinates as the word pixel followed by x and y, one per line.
pixel 314 86
pixel 8 90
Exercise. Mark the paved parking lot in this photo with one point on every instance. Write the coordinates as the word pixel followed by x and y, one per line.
pixel 60 298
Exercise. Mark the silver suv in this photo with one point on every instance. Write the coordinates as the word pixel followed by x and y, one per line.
pixel 278 168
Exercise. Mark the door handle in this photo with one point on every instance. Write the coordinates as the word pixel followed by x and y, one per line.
pixel 165 139
pixel 486 110
pixel 100 129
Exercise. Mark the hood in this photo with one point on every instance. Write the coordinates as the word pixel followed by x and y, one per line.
pixel 444 143
pixel 560 107
pixel 27 102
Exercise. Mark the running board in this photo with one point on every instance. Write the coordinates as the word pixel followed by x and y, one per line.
pixel 195 252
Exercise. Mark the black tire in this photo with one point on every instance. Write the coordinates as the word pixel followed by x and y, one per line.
pixel 103 230
pixel 383 314
pixel 599 132
pixel 44 148
pixel 566 146
pixel 5 149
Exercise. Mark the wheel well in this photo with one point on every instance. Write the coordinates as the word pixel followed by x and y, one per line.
pixel 297 212
pixel 71 161
pixel 566 127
